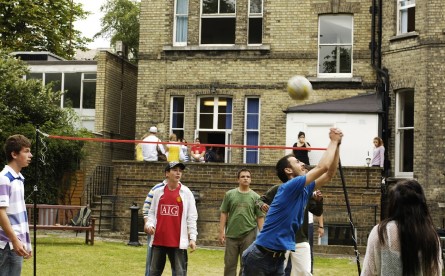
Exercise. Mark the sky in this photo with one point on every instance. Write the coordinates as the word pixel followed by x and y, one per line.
pixel 91 25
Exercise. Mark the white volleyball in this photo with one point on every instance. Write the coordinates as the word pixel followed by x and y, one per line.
pixel 299 88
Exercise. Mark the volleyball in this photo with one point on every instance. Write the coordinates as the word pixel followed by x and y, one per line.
pixel 299 88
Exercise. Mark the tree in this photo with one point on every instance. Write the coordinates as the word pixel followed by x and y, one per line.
pixel 41 25
pixel 121 23
pixel 23 106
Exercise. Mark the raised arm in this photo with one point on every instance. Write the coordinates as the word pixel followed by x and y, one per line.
pixel 325 169
pixel 326 177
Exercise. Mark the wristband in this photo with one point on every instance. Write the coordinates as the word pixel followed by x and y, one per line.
pixel 320 226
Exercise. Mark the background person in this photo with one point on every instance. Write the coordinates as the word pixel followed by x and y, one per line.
pixel 240 218
pixel 15 242
pixel 302 155
pixel 174 150
pixel 197 152
pixel 172 223
pixel 285 216
pixel 149 150
pixel 185 150
pixel 378 155
pixel 406 242
pixel 297 262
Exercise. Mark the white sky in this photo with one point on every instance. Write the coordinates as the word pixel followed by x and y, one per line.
pixel 91 25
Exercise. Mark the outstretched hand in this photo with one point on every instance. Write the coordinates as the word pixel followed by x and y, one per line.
pixel 335 134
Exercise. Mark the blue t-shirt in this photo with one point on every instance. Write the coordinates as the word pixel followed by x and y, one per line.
pixel 285 215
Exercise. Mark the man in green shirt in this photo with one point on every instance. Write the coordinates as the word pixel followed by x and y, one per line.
pixel 240 218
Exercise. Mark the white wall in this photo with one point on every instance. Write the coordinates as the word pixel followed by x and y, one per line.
pixel 358 129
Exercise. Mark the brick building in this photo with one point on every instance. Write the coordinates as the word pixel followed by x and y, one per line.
pixel 413 48
pixel 217 69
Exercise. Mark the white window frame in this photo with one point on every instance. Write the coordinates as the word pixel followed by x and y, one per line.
pixel 258 130
pixel 180 43
pixel 215 113
pixel 398 141
pixel 402 27
pixel 336 75
pixel 214 15
pixel 255 15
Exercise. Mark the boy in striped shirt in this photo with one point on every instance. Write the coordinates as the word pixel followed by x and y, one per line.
pixel 15 242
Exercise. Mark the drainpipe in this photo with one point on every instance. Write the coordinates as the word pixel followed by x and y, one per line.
pixel 382 89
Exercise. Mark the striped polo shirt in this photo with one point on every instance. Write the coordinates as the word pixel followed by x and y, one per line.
pixel 12 191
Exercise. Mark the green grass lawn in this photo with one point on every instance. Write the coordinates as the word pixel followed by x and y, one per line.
pixel 58 255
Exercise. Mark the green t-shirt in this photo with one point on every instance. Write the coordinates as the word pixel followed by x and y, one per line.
pixel 242 212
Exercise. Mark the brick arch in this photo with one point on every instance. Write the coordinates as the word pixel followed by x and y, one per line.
pixel 405 83
pixel 337 6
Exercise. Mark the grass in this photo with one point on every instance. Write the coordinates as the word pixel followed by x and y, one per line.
pixel 58 255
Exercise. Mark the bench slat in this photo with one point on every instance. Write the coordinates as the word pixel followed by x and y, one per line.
pixel 58 217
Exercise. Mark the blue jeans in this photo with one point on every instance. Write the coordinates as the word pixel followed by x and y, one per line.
pixel 257 263
pixel 10 262
pixel 148 260
pixel 178 259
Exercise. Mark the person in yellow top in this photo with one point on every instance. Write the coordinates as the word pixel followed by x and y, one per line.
pixel 173 149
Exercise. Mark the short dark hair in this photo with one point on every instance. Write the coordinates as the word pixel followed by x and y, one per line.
pixel 282 164
pixel 301 133
pixel 244 170
pixel 15 143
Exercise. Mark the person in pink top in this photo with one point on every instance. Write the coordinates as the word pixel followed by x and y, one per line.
pixel 378 157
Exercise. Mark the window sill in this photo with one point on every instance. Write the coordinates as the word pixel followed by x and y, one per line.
pixel 217 48
pixel 333 79
pixel 404 36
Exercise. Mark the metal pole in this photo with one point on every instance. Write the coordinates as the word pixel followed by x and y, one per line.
pixel 36 172
pixel 354 239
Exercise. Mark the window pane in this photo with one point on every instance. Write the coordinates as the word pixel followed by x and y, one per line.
pixel 224 121
pixel 178 120
pixel 178 104
pixel 329 63
pixel 89 94
pixel 72 88
pixel 179 133
pixel 181 28
pixel 227 6
pixel 181 6
pixel 251 157
pixel 89 76
pixel 206 105
pixel 407 110
pixel 256 6
pixel 32 76
pixel 206 121
pixel 252 121
pixel 253 105
pixel 406 150
pixel 255 30
pixel 55 79
pixel 209 6
pixel 218 31
pixel 336 29
pixel 252 153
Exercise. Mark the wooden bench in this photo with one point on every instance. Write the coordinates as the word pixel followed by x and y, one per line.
pixel 58 217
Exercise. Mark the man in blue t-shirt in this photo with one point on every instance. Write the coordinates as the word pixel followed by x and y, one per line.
pixel 285 216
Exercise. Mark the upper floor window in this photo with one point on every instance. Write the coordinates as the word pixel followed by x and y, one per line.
pixel 406 12
pixel 335 46
pixel 255 35
pixel 218 18
pixel 181 23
